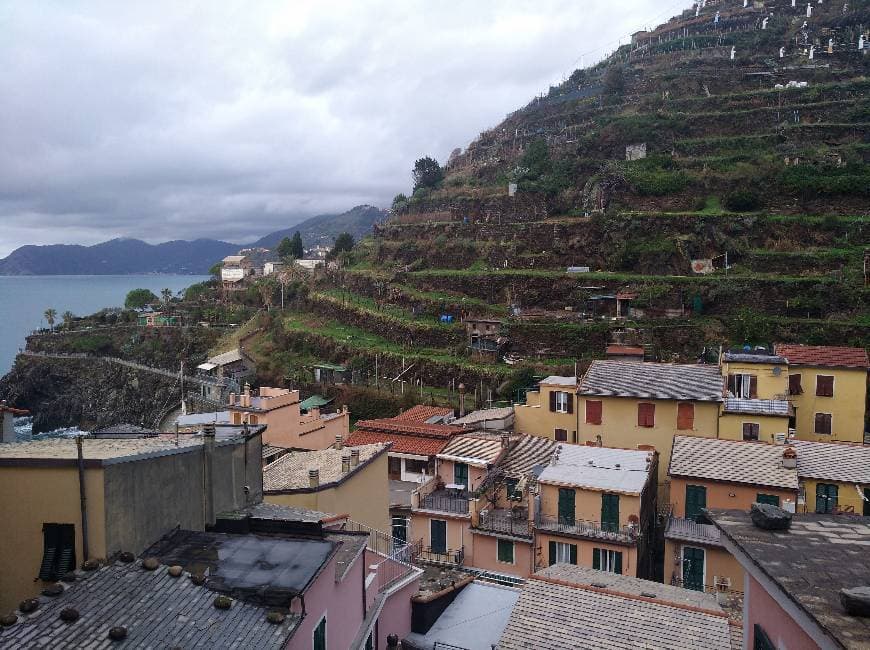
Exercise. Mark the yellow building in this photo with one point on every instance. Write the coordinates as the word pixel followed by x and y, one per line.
pixel 350 481
pixel 131 493
pixel 834 477
pixel 596 508
pixel 828 391
pixel 755 375
pixel 549 411
pixel 765 420
pixel 625 404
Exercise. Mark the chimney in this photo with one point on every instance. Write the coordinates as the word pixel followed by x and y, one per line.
pixel 461 400
pixel 232 399
pixel 208 434
pixel 313 478
pixel 789 458
pixel 339 441
pixel 354 457
pixel 345 464
pixel 505 441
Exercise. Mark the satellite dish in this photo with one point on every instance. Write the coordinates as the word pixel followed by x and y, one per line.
pixel 777 371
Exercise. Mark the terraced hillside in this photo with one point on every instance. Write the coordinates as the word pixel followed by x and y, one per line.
pixel 742 131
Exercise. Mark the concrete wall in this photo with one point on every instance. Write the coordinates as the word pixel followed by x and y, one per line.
pixel 727 496
pixel 31 497
pixel 846 406
pixel 731 425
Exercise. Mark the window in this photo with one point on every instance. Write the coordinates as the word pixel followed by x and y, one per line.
pixel 59 550
pixel 319 640
pixel 370 641
pixel 769 499
pixel 760 639
pixel 646 414
pixel 743 385
pixel 685 416
pixel 593 411
pixel 413 466
pixel 826 498
pixel 823 423
pixel 610 512
pixel 438 536
pixel 605 560
pixel 511 486
pixel 561 553
pixel 696 500
pixel 561 435
pixel 394 467
pixel 824 386
pixel 400 528
pixel 561 402
pixel 460 474
pixel 505 551
pixel 794 385
pixel 751 430
pixel 566 506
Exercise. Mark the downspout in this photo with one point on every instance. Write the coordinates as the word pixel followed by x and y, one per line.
pixel 84 507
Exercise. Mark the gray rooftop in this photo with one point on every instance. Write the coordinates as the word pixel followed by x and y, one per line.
pixel 669 381
pixel 750 357
pixel 159 611
pixel 529 452
pixel 688 530
pixel 809 563
pixel 833 461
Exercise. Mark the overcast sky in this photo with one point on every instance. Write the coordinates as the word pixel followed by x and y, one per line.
pixel 233 119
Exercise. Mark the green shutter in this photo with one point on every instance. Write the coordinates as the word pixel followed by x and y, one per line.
pixel 505 551
pixel 460 474
pixel 566 506
pixel 618 566
pixel 769 499
pixel 696 500
pixel 826 498
pixel 596 558
pixel 572 553
pixel 610 512
pixel 552 553
pixel 320 635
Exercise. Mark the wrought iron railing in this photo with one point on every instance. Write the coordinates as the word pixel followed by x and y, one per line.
pixel 595 529
pixel 397 556
pixel 453 557
pixel 442 501
pixel 509 522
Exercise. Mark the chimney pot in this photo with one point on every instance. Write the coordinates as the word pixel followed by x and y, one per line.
pixel 313 478
pixel 354 457
pixel 345 464
pixel 232 399
pixel 339 441
pixel 789 458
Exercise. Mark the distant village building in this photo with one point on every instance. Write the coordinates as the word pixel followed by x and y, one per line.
pixel 270 268
pixel 234 269
pixel 485 338
pixel 234 365
pixel 309 265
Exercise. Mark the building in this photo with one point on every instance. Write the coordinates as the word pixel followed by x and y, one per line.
pixel 156 319
pixel 618 352
pixel 484 337
pixel 795 578
pixel 349 481
pixel 234 269
pixel 225 589
pixel 765 420
pixel 625 404
pixel 234 365
pixel 549 411
pixel 834 477
pixel 827 387
pixel 279 409
pixel 272 267
pixel 721 474
pixel 583 609
pixel 309 265
pixel 597 509
pixel 496 419
pixel 60 509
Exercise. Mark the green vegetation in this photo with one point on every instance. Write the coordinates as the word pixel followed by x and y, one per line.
pixel 427 173
pixel 139 298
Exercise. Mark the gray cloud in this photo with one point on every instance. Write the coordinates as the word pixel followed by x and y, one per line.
pixel 231 119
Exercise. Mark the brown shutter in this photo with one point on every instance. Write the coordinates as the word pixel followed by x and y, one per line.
pixel 593 412
pixel 824 386
pixel 823 423
pixel 570 402
pixel 753 386
pixel 794 385
pixel 552 401
pixel 646 414
pixel 685 416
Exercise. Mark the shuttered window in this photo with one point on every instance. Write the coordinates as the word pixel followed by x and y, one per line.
pixel 743 385
pixel 561 435
pixel 610 512
pixel 552 401
pixel 563 402
pixel 593 411
pixel 505 551
pixel 794 385
pixel 646 414
pixel 824 386
pixel 59 551
pixel 605 560
pixel 751 430
pixel 823 423
pixel 685 416
pixel 561 553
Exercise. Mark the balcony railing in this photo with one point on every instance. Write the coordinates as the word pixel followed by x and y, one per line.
pixel 395 557
pixel 509 522
pixel 594 529
pixel 445 501
pixel 453 557
pixel 691 531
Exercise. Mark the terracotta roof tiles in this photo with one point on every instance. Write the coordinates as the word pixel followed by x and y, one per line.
pixel 402 444
pixel 823 355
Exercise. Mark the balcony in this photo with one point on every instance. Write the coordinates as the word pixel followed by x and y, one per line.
pixel 592 529
pixel 446 556
pixel 445 501
pixel 514 522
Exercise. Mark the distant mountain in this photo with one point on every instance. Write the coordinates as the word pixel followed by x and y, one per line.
pixel 325 228
pixel 117 257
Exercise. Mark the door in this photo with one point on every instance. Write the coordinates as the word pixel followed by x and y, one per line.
pixel 693 568
pixel 460 474
pixel 696 500
pixel 438 540
pixel 400 529
pixel 610 512
pixel 826 498
pixel 566 506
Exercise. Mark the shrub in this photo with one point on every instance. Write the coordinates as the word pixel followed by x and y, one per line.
pixel 742 201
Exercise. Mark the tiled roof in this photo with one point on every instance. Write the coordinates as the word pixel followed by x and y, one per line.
pixel 810 563
pixel 271 450
pixel 409 427
pixel 526 454
pixel 421 413
pixel 402 444
pixel 95 448
pixel 653 381
pixel 632 350
pixel 290 472
pixel 733 461
pixel 833 461
pixel 758 406
pixel 599 468
pixel 749 357
pixel 476 449
pixel 227 357
pixel 552 615
pixel 555 380
pixel 823 355
pixel 156 609
pixel 476 417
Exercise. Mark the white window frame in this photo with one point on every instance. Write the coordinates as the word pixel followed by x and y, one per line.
pixel 325 630
pixel 817 433
pixel 513 552
pixel 563 553
pixel 833 388
pixel 608 559
pixel 562 401
pixel 745 385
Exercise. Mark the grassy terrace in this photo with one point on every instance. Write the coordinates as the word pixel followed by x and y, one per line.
pixel 625 277
pixel 369 305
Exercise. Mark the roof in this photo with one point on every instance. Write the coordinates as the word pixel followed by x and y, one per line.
pixel 234 259
pixel 156 609
pixel 701 383
pixel 555 380
pixel 329 366
pixel 226 358
pixel 833 461
pixel 829 549
pixel 553 613
pixel 313 402
pixel 409 427
pixel 775 407
pixel 629 350
pixel 290 471
pixel 476 417
pixel 732 461
pixel 99 451
pixel 599 468
pixel 402 444
pixel 474 449
pixel 271 450
pixel 528 453
pixel 750 357
pixel 123 428
pixel 423 414
pixel 275 512
pixel 823 355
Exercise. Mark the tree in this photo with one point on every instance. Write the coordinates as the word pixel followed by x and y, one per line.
pixel 215 270
pixel 343 244
pixel 298 250
pixel 266 287
pixel 139 298
pixel 285 249
pixel 166 294
pixel 400 201
pixel 67 317
pixel 427 173
pixel 614 80
pixel 50 314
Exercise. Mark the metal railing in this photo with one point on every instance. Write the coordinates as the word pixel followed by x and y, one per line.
pixel 397 556
pixel 689 529
pixel 444 502
pixel 509 522
pixel 452 557
pixel 594 529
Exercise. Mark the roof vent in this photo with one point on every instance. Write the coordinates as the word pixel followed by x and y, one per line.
pixel 354 457
pixel 345 464
pixel 313 478
pixel 647 594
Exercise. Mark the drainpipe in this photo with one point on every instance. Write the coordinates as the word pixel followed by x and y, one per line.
pixel 84 507
pixel 208 434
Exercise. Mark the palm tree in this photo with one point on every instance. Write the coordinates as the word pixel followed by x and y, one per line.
pixel 166 294
pixel 50 314
pixel 67 317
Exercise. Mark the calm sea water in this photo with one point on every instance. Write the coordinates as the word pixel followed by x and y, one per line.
pixel 24 299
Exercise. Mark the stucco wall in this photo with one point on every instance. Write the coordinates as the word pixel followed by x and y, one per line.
pixel 768 385
pixel 458 534
pixel 484 555
pixel 584 551
pixel 32 497
pixel 587 504
pixel 761 609
pixel 847 405
pixel 847 496
pixel 719 495
pixel 535 417
pixel 717 562
pixel 731 425
pixel 446 469
pixel 395 617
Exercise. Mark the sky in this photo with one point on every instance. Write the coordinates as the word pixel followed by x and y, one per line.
pixel 229 120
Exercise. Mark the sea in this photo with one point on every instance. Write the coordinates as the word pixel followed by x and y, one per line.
pixel 24 299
